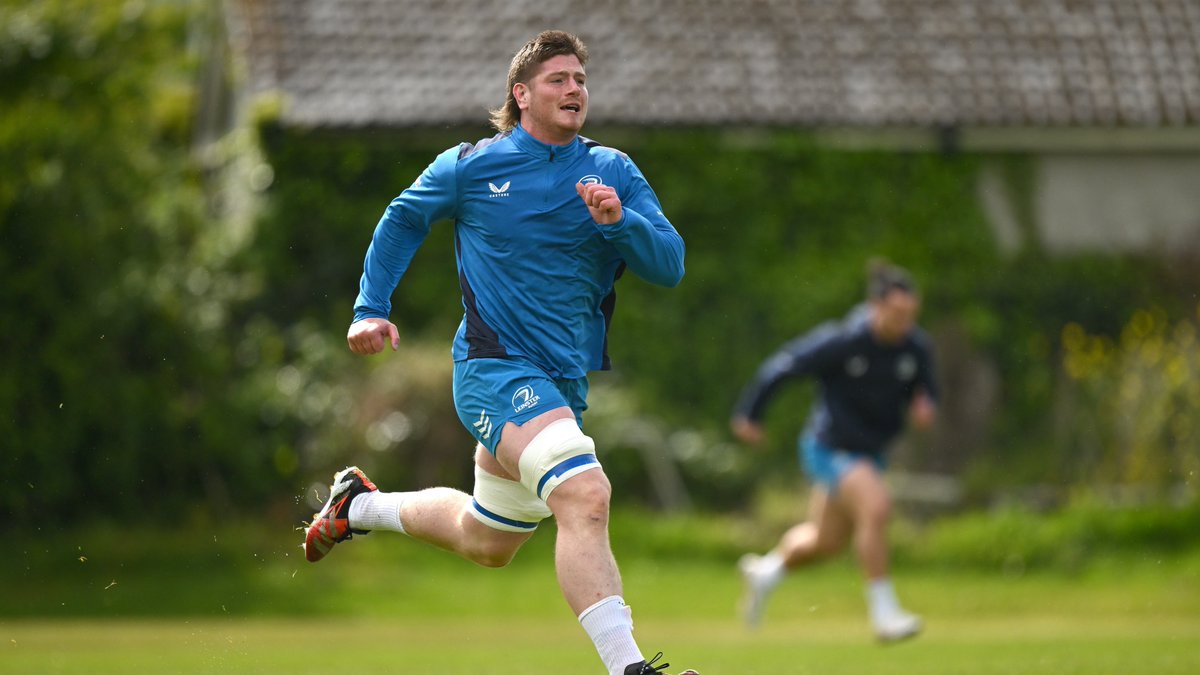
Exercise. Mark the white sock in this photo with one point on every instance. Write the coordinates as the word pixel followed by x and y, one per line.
pixel 377 510
pixel 881 598
pixel 609 623
pixel 769 571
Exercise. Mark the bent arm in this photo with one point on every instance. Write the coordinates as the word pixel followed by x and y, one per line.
pixel 802 356
pixel 400 232
pixel 652 248
pixel 759 391
pixel 923 409
pixel 650 245
pixel 396 240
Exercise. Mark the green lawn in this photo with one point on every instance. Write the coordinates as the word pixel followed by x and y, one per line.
pixel 1042 643
pixel 240 603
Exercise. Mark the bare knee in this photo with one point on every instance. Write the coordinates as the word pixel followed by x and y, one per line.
pixel 582 498
pixel 875 512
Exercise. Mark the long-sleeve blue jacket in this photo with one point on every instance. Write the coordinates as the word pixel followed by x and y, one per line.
pixel 536 271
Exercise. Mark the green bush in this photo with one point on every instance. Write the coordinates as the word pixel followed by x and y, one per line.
pixel 1139 395
pixel 1015 538
pixel 120 384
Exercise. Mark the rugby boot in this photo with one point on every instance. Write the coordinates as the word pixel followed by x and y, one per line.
pixel 650 667
pixel 331 525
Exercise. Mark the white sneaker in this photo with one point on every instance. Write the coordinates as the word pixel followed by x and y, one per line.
pixel 755 591
pixel 896 626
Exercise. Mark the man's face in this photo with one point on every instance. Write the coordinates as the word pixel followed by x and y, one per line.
pixel 554 102
pixel 894 315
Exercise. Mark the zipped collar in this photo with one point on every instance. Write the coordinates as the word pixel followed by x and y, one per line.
pixel 546 151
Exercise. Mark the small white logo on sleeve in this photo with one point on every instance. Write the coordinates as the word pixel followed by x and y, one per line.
pixel 906 367
pixel 591 179
pixel 524 398
pixel 499 191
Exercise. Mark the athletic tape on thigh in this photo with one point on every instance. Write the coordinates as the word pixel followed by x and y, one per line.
pixel 506 505
pixel 558 452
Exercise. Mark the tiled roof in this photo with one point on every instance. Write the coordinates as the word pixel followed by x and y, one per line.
pixel 870 63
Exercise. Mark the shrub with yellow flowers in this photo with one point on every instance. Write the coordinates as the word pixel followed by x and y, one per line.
pixel 1137 401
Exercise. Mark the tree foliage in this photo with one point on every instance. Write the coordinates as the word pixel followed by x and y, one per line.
pixel 119 385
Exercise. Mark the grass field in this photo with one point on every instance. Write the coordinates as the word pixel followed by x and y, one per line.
pixel 1046 643
pixel 385 604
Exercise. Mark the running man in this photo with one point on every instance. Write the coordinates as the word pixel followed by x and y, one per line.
pixel 545 222
pixel 873 368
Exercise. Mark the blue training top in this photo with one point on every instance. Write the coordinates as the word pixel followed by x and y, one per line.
pixel 536 271
pixel 865 385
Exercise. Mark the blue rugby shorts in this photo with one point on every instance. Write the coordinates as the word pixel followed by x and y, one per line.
pixel 826 466
pixel 489 393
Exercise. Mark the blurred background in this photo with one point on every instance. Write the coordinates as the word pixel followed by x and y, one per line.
pixel 188 188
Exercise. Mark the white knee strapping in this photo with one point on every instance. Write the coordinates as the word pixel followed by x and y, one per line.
pixel 506 505
pixel 558 452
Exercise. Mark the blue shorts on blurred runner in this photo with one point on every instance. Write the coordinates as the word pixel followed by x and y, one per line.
pixel 827 466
